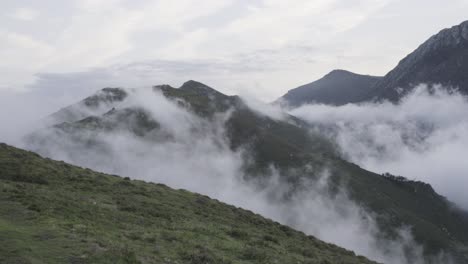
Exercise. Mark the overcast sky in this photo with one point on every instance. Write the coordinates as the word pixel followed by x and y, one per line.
pixel 260 48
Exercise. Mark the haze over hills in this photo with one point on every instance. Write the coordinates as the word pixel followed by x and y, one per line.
pixel 197 138
pixel 136 132
pixel 442 59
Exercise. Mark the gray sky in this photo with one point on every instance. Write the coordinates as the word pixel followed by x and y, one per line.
pixel 260 48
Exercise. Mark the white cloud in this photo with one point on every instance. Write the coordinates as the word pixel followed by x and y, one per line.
pixel 425 137
pixel 25 14
pixel 304 39
pixel 21 57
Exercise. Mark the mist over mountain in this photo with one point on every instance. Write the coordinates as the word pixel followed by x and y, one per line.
pixel 441 60
pixel 398 138
pixel 137 132
pixel 246 154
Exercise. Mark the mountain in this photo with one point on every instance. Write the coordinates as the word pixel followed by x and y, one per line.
pixel 89 106
pixel 336 88
pixel 442 59
pixel 297 153
pixel 53 212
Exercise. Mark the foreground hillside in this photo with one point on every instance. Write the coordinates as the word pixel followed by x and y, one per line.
pixel 53 212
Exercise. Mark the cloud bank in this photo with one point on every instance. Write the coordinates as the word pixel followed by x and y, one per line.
pixel 424 137
pixel 301 39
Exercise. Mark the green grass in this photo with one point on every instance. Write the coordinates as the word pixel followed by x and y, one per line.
pixel 53 212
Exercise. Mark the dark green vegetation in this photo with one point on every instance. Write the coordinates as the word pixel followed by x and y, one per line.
pixel 135 120
pixel 435 222
pixel 201 99
pixel 286 144
pixel 442 59
pixel 53 212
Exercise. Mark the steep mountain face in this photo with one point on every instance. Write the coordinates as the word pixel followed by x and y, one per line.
pixel 442 59
pixel 336 88
pixel 285 144
pixel 53 212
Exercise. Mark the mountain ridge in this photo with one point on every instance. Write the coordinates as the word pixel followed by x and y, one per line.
pixel 336 87
pixel 440 60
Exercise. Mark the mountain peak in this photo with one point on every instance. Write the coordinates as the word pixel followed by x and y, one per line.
pixel 163 86
pixel 442 59
pixel 191 83
pixel 199 87
pixel 196 86
pixel 337 87
pixel 339 72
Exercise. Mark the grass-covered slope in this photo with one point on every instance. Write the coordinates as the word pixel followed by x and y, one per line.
pixel 53 212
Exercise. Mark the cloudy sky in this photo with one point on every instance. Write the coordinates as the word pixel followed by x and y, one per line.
pixel 262 48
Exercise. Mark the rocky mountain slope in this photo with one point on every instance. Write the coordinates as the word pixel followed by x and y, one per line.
pixel 297 153
pixel 53 212
pixel 442 59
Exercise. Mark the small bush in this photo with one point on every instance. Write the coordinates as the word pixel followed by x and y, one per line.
pixel 255 254
pixel 271 239
pixel 238 234
pixel 201 255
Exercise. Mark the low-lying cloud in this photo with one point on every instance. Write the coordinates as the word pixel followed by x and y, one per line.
pixel 193 153
pixel 423 137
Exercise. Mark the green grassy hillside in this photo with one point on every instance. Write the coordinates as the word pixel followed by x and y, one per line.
pixel 53 212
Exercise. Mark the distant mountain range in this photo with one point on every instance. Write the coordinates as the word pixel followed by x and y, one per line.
pixel 287 144
pixel 442 59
